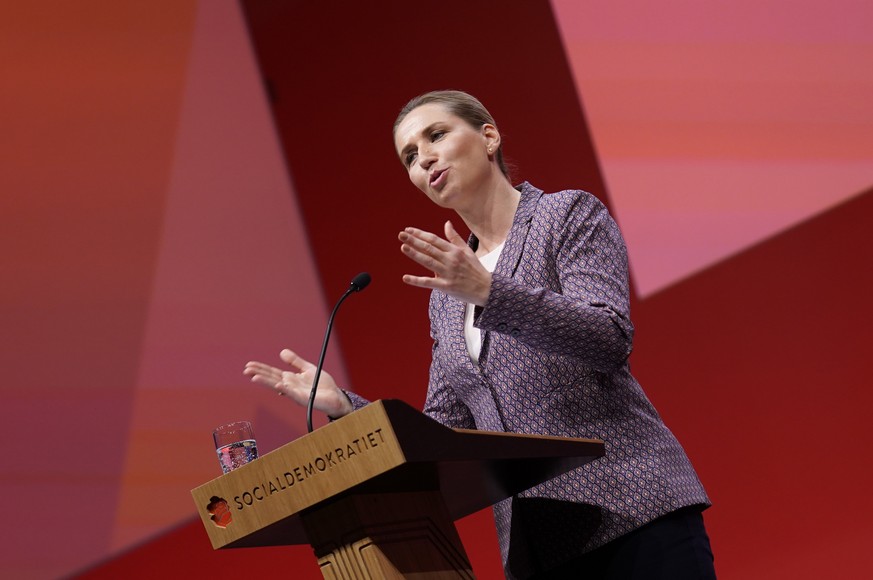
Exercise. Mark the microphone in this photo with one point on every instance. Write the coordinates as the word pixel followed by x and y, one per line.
pixel 358 283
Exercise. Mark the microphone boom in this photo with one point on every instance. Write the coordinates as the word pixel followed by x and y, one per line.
pixel 358 283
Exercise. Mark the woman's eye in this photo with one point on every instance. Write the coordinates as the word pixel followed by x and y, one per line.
pixel 436 135
pixel 410 157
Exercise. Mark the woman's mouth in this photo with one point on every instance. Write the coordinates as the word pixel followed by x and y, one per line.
pixel 438 178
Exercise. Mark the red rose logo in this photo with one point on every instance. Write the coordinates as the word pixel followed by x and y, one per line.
pixel 221 514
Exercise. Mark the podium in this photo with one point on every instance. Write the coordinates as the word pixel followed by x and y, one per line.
pixel 376 492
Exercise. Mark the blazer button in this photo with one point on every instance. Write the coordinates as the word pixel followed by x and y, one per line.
pixel 515 332
pixel 502 327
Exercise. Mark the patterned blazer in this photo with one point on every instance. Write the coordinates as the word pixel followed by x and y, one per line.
pixel 556 336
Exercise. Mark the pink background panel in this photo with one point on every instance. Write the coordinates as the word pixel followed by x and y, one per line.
pixel 234 281
pixel 719 125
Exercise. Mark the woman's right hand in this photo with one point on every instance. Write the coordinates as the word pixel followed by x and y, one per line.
pixel 296 384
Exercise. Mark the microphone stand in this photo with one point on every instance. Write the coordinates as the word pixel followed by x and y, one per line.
pixel 359 282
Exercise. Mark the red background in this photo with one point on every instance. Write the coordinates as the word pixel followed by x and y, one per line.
pixel 187 186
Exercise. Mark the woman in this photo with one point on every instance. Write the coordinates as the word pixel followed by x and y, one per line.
pixel 531 330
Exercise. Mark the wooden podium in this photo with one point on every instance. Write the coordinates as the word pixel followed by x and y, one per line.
pixel 376 493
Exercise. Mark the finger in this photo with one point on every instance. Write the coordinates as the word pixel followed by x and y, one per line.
pixel 268 379
pixel 253 364
pixel 296 361
pixel 421 281
pixel 423 252
pixel 255 368
pixel 417 242
pixel 428 238
pixel 422 258
pixel 453 236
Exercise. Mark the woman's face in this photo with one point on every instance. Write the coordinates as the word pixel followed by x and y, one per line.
pixel 445 157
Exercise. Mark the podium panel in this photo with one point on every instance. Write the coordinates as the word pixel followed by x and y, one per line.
pixel 376 492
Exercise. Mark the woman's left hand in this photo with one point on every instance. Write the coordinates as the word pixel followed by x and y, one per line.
pixel 457 270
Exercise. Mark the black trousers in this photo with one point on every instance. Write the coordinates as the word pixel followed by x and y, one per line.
pixel 673 547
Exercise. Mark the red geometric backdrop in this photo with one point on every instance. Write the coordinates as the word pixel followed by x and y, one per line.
pixel 191 185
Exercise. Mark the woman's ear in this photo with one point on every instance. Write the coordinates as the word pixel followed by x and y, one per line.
pixel 492 137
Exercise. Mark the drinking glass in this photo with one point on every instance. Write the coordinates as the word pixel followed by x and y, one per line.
pixel 235 445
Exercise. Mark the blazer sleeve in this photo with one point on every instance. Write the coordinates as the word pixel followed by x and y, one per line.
pixel 442 402
pixel 588 316
pixel 358 402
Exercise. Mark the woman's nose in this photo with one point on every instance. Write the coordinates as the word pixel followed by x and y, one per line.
pixel 426 157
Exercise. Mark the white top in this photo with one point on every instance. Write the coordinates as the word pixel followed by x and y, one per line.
pixel 473 335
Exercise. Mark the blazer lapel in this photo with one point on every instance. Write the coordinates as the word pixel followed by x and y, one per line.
pixel 514 246
pixel 515 240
